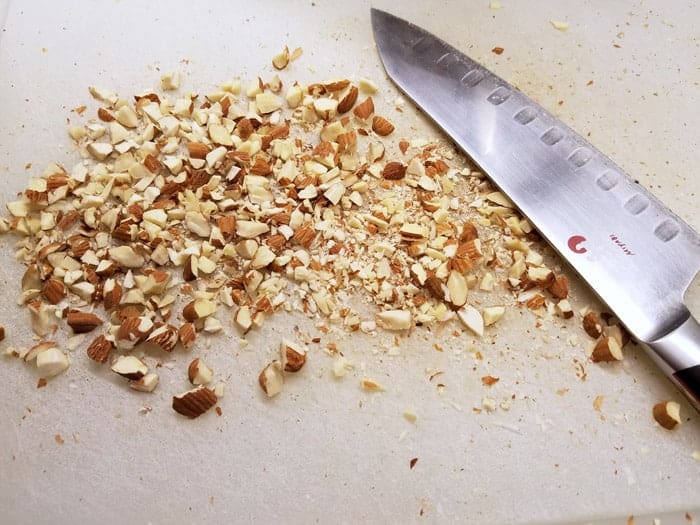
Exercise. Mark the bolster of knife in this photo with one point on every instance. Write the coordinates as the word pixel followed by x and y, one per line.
pixel 679 353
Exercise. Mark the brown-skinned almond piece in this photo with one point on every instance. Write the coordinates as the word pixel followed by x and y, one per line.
pixel 164 337
pixel 606 350
pixel 394 171
pixel 592 325
pixel 667 414
pixel 559 287
pixel 2 332
pixel 187 335
pixel 364 109
pixel 198 373
pixel 104 115
pixel 54 291
pixel 271 379
pixel 293 356
pixel 348 101
pixel 100 349
pixel 382 126
pixel 194 403
pixel 82 322
pixel 197 150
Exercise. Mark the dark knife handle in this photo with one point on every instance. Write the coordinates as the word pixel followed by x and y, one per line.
pixel 679 354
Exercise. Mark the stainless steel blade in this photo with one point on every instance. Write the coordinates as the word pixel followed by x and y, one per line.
pixel 633 251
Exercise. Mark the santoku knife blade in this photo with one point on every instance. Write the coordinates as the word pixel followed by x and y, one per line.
pixel 633 251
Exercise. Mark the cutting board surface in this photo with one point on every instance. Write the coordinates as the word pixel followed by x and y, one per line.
pixel 625 75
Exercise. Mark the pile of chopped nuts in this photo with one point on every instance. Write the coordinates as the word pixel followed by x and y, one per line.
pixel 188 213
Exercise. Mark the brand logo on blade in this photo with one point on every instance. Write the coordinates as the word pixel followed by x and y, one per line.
pixel 618 242
pixel 575 242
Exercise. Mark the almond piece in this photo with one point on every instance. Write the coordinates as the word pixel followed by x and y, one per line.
pixel 100 349
pixel 54 291
pixel 146 383
pixel 457 286
pixel 52 362
pixel 472 319
pixel 197 150
pixel 382 126
pixel 133 331
pixel 364 109
pixel 281 60
pixel 293 355
pixel 394 319
pixel 129 367
pixel 559 287
pixel 592 325
pixel 667 414
pixel 111 294
pixel 199 373
pixel 370 385
pixel 493 314
pixel 187 335
pixel 394 171
pixel 606 349
pixel 164 337
pixel 2 332
pixel 194 403
pixel 348 100
pixel 126 256
pixel 198 309
pixel 82 322
pixel 271 379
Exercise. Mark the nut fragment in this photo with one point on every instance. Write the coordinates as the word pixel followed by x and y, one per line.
pixel 271 379
pixel 382 126
pixel 52 362
pixel 54 291
pixel 394 171
pixel 2 332
pixel 130 367
pixel 472 319
pixel 164 337
pixel 560 287
pixel 606 349
pixel 592 325
pixel 281 60
pixel 187 335
pixel 146 383
pixel 492 314
pixel 100 349
pixel 364 109
pixel 82 322
pixel 667 414
pixel 394 319
pixel 194 403
pixel 293 355
pixel 199 373
pixel 371 385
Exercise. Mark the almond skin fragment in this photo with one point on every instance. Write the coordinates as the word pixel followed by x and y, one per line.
pixel 2 332
pixel 197 150
pixel 100 349
pixel 382 126
pixel 82 322
pixel 194 403
pixel 667 414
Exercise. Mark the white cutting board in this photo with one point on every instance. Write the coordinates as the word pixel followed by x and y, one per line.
pixel 324 451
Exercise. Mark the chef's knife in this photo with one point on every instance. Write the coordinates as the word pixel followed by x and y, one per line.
pixel 633 251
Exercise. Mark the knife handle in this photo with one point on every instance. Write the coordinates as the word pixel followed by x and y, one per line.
pixel 679 354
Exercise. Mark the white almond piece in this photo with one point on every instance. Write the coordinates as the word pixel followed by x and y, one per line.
pixel 493 314
pixel 472 319
pixel 271 379
pixel 243 318
pixel 263 257
pixel 156 216
pixel 146 383
pixel 130 367
pixel 487 282
pixel 117 133
pixel 197 224
pixel 215 156
pixel 127 117
pixel 220 135
pixel 103 95
pixel 267 103
pixel 251 229
pixel 294 96
pixel 51 362
pixel 367 86
pixel 325 107
pixel 126 256
pixel 395 319
pixel 335 192
pixel 457 286
pixel 170 81
pixel 100 150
